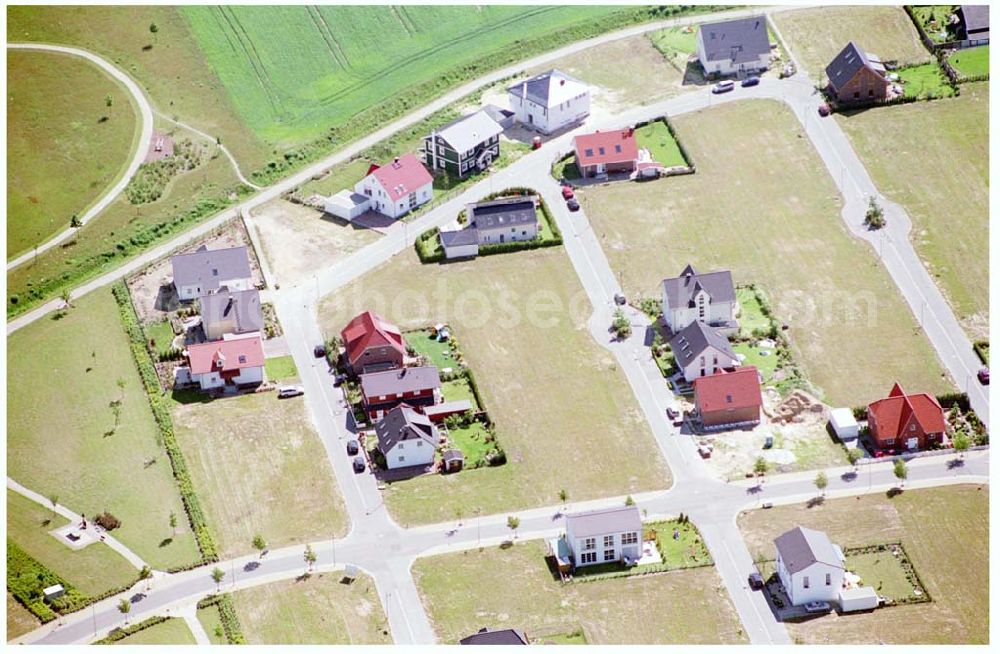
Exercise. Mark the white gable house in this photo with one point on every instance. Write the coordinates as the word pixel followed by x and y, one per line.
pixel 708 297
pixel 397 188
pixel 406 438
pixel 206 271
pixel 811 568
pixel 604 535
pixel 700 350
pixel 734 47
pixel 550 101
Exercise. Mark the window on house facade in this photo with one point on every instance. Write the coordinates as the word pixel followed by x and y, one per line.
pixel 401 445
pixel 630 538
pixel 857 94
pixel 413 199
pixel 402 458
pixel 609 555
pixel 609 541
pixel 890 441
pixel 805 582
pixel 441 150
pixel 828 580
pixel 589 543
pixel 420 443
pixel 588 557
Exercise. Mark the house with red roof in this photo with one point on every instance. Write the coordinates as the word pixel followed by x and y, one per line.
pixel 398 187
pixel 372 343
pixel 603 153
pixel 906 422
pixel 229 362
pixel 728 399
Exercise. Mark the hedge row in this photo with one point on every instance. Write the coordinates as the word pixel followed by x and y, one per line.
pixel 161 413
pixel 904 562
pixel 982 351
pixel 26 578
pixel 636 571
pixel 118 633
pixel 670 128
pixel 227 613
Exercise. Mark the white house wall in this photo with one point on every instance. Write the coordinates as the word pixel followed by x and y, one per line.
pixel 409 453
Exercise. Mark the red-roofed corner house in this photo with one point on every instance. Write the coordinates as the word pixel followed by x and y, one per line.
pixel 398 187
pixel 237 361
pixel 606 152
pixel 372 343
pixel 905 422
pixel 728 399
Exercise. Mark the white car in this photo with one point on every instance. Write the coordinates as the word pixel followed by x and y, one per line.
pixel 289 391
pixel 817 607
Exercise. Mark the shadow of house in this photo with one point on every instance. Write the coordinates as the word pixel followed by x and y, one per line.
pixel 166 298
pixel 694 74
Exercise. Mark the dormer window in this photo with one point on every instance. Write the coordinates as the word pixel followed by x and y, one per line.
pixel 243 358
pixel 215 272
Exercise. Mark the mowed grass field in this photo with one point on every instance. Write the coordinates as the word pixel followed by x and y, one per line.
pixel 815 36
pixel 319 610
pixel 945 532
pixel 19 619
pixel 259 468
pixel 347 59
pixel 514 588
pixel 904 149
pixel 763 205
pixel 61 156
pixel 971 62
pixel 61 377
pixel 172 632
pixel 565 415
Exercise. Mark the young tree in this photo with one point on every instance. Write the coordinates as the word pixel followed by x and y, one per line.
pixel 124 606
pixel 74 222
pixel 66 298
pixel 821 482
pixel 621 325
pixel 960 441
pixel 458 516
pixel 629 501
pixel 153 29
pixel 760 466
pixel 513 522
pixel 259 544
pixel 146 572
pixel 54 500
pixel 563 495
pixel 109 100
pixel 218 574
pixel 899 469
pixel 874 216
pixel 854 455
pixel 309 556
pixel 173 523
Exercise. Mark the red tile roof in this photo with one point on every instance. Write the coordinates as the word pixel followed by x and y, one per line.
pixel 402 176
pixel 370 330
pixel 606 147
pixel 895 412
pixel 739 389
pixel 223 356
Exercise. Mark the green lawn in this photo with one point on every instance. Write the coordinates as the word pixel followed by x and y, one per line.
pixel 459 389
pixel 439 353
pixel 751 312
pixel 92 570
pixel 471 440
pixel 160 333
pixel 173 631
pixel 279 369
pixel 687 551
pixel 211 622
pixel 766 364
pixel 881 571
pixel 662 146
pixel 61 156
pixel 971 62
pixel 926 80
pixel 566 169
pixel 934 19
pixel 61 378
pixel 675 40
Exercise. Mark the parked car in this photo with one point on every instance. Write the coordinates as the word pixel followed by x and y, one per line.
pixel 824 109
pixel 359 464
pixel 289 391
pixel 769 442
pixel 672 413
pixel 755 580
pixel 620 299
pixel 704 452
pixel 767 505
pixel 817 607
pixel 572 204
pixel 353 447
pixel 984 376
pixel 750 81
pixel 319 351
pixel 567 191
pixel 724 87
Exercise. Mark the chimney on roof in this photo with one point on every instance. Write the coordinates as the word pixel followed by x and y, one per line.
pixel 562 82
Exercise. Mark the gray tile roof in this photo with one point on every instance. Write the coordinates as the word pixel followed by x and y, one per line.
pixel 401 380
pixel 739 41
pixel 604 521
pixel 976 18
pixel 467 236
pixel 241 306
pixel 467 132
pixel 505 212
pixel 495 637
pixel 801 547
pixel 691 341
pixel 404 424
pixel 548 88
pixel 848 62
pixel 681 290
pixel 207 268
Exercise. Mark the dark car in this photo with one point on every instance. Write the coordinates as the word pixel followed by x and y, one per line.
pixel 769 442
pixel 750 81
pixel 672 413
pixel 567 191
pixel 572 204
pixel 359 464
pixel 984 376
pixel 755 580
pixel 352 447
pixel 319 351
pixel 620 299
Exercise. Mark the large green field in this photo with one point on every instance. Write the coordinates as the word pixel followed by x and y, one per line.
pixel 61 155
pixel 763 205
pixel 62 375
pixel 950 212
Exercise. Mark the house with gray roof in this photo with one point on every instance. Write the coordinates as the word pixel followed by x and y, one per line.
pixel 231 312
pixel 550 101
pixel 734 47
pixel 383 391
pixel 464 146
pixel 708 297
pixel 504 220
pixel 604 535
pixel 857 76
pixel 205 271
pixel 974 24
pixel 406 438
pixel 810 566
pixel 495 637
pixel 700 350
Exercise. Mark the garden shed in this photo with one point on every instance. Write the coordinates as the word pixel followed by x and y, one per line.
pixel 844 425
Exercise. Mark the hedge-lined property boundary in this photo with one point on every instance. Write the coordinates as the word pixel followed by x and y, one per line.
pixel 691 168
pixel 161 413
pixel 120 633
pixel 227 614
pixel 904 561
pixel 982 351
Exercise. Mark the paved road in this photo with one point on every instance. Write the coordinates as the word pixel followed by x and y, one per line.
pixel 145 135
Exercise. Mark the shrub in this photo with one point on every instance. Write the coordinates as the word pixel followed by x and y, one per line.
pixel 118 633
pixel 227 613
pixel 107 521
pixel 874 216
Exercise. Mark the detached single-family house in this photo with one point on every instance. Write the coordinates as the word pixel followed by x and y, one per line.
pixel 372 343
pixel 495 637
pixel 734 47
pixel 397 188
pixel 604 535
pixel 706 297
pixel 811 568
pixel 232 362
pixel 700 350
pixel 728 399
pixel 603 153
pixel 206 271
pixel 406 438
pixel 906 422
pixel 974 25
pixel 464 146
pixel 856 76
pixel 383 391
pixel 231 312
pixel 504 220
pixel 550 101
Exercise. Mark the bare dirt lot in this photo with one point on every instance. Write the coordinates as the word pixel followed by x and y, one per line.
pixel 298 240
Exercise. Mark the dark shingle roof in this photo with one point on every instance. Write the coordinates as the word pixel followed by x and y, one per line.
pixel 404 424
pixel 495 637
pixel 467 236
pixel 739 41
pixel 976 18
pixel 848 62
pixel 801 547
pixel 691 341
pixel 241 306
pixel 505 212
pixel 681 290
pixel 549 88
pixel 403 380
pixel 604 521
pixel 207 268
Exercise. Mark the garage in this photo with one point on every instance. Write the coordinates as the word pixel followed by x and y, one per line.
pixel 460 243
pixel 347 205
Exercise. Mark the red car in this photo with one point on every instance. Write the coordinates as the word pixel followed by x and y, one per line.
pixel 984 376
pixel 567 192
pixel 824 110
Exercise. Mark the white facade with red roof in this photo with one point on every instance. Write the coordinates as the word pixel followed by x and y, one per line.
pixel 398 187
pixel 237 361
